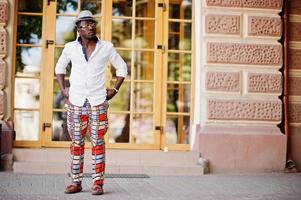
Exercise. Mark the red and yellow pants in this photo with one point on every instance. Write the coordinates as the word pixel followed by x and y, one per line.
pixel 94 120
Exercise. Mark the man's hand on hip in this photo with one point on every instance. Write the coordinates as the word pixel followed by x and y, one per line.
pixel 110 94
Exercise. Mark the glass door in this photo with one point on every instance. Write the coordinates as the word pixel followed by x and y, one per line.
pixel 28 72
pixel 153 107
pixel 134 32
pixel 178 75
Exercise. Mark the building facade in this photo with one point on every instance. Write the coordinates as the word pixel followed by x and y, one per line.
pixel 218 77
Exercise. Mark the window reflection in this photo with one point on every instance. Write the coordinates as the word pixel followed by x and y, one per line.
pixel 27 93
pixel 180 9
pixel 143 97
pixel 142 130
pixel 119 128
pixel 29 29
pixel 144 36
pixel 177 129
pixel 28 61
pixel 179 36
pixel 67 6
pixel 122 8
pixel 178 98
pixel 30 6
pixel 122 32
pixel 145 8
pixel 121 102
pixel 179 67
pixel 26 125
pixel 65 29
pixel 144 65
pixel 59 127
pixel 93 5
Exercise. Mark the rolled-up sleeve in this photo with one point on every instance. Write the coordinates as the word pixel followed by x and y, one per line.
pixel 62 63
pixel 118 63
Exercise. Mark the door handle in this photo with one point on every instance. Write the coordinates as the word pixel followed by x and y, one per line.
pixel 49 42
pixel 46 125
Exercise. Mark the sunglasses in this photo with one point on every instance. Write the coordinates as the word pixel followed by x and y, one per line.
pixel 90 25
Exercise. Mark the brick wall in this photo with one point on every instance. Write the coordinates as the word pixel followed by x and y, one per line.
pixel 241 61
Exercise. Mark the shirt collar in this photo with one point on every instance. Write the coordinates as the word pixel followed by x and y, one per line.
pixel 78 39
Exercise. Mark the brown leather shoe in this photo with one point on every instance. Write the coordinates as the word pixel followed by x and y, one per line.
pixel 97 190
pixel 73 188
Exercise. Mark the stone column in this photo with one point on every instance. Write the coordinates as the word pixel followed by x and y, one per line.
pixel 241 84
pixel 6 134
pixel 295 80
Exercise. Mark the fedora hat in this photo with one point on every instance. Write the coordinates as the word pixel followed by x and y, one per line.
pixel 84 15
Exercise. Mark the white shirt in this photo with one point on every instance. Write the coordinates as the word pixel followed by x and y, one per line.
pixel 87 78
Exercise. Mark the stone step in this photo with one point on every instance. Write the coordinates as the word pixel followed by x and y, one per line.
pixel 150 162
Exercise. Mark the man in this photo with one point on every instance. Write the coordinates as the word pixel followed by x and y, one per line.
pixel 87 98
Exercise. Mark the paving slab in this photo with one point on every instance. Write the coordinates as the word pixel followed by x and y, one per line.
pixel 267 186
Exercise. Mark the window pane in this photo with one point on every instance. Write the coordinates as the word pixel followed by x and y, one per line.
pixel 26 125
pixel 27 93
pixel 126 56
pixel 122 8
pixel 180 10
pixel 30 6
pixel 143 97
pixel 93 5
pixel 28 61
pixel 122 32
pixel 179 36
pixel 142 130
pixel 145 8
pixel 178 98
pixel 67 6
pixel 144 36
pixel 29 29
pixel 119 128
pixel 58 98
pixel 121 101
pixel 59 127
pixel 179 67
pixel 65 30
pixel 144 65
pixel 177 129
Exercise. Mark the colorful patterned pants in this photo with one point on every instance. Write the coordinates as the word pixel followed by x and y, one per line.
pixel 94 120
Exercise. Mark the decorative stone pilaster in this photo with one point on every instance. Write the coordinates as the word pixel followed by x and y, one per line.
pixel 3 44
pixel 6 157
pixel 240 105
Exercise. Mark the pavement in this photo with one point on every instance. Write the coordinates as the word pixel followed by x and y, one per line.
pixel 266 186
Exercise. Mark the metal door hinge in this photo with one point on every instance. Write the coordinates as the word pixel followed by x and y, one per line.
pixel 48 42
pixel 159 128
pixel 46 125
pixel 163 6
pixel 162 47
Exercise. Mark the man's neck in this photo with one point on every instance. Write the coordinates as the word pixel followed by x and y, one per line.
pixel 87 41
